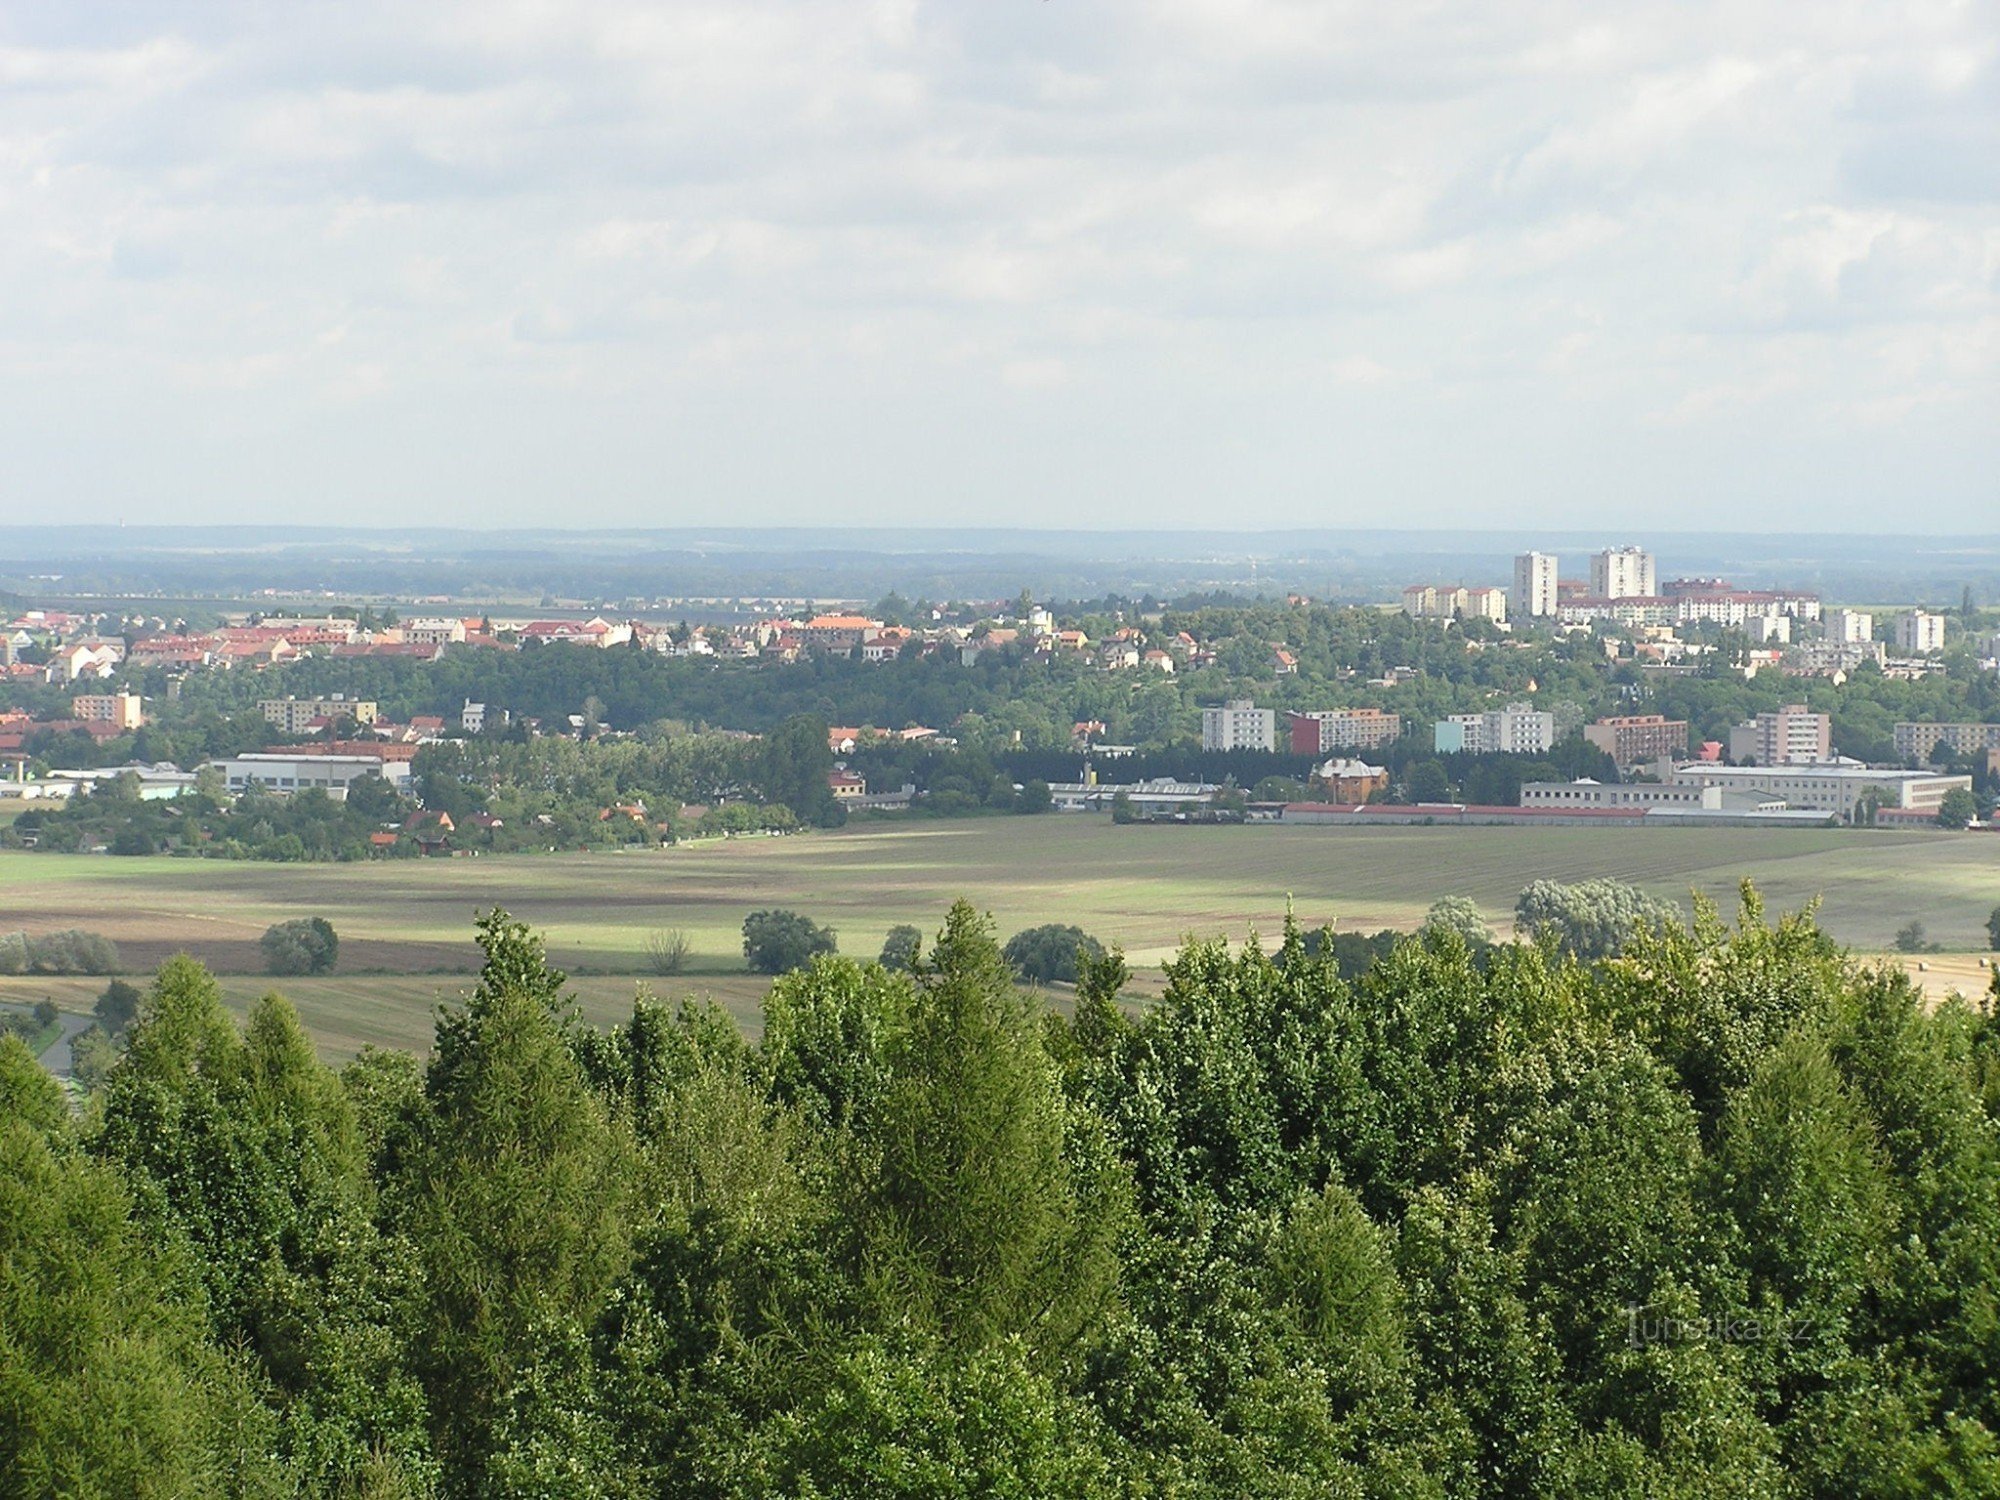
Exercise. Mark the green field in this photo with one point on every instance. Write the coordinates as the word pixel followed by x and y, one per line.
pixel 406 927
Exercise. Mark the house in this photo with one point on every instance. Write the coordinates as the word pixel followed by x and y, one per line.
pixel 1158 660
pixel 842 741
pixel 846 785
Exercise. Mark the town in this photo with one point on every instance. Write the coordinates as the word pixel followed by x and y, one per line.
pixel 1222 689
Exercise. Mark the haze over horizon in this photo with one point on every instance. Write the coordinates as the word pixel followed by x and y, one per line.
pixel 1191 266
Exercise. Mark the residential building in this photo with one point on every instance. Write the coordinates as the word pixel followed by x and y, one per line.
pixel 122 709
pixel 1485 604
pixel 1239 725
pixel 1917 741
pixel 1790 736
pixel 433 632
pixel 1535 585
pixel 1517 729
pixel 472 717
pixel 296 715
pixel 1325 730
pixel 1344 780
pixel 1918 633
pixel 846 785
pixel 287 773
pixel 1637 738
pixel 1623 573
pixel 1850 627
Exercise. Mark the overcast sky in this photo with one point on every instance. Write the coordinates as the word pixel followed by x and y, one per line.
pixel 1057 262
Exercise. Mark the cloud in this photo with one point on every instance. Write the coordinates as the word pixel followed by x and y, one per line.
pixel 1164 236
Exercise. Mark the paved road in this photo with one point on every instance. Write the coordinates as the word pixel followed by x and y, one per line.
pixel 56 1057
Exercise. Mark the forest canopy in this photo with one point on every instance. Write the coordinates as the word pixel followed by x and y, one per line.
pixel 1720 1215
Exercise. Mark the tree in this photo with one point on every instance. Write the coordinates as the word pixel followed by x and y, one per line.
pixel 1958 808
pixel 1460 915
pixel 667 951
pixel 900 947
pixel 304 945
pixel 1035 797
pixel 1048 954
pixel 1428 782
pixel 1592 919
pixel 1911 938
pixel 45 1012
pixel 117 1006
pixel 778 941
pixel 1993 931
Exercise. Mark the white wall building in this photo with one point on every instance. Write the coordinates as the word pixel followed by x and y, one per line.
pixel 1239 725
pixel 1535 585
pixel 1918 633
pixel 1517 729
pixel 332 774
pixel 1624 573
pixel 1850 627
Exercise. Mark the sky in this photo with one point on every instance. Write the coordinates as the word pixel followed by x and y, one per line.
pixel 1125 263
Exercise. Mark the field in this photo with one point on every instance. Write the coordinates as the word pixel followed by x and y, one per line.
pixel 406 927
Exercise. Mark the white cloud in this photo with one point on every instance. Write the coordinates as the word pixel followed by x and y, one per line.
pixel 1315 231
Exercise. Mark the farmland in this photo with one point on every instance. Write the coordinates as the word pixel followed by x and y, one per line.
pixel 406 927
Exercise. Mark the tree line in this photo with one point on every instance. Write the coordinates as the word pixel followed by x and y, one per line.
pixel 1719 1216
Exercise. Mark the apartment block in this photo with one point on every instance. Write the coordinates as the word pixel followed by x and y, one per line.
pixel 1638 738
pixel 1850 627
pixel 296 715
pixel 1239 725
pixel 1788 736
pixel 1624 573
pixel 1326 730
pixel 1917 741
pixel 1535 585
pixel 1918 633
pixel 1517 729
pixel 122 710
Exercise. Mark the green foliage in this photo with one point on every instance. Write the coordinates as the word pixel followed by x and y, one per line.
pixel 1722 1217
pixel 667 951
pixel 901 947
pixel 118 1005
pixel 1993 930
pixel 304 945
pixel 1958 808
pixel 777 942
pixel 1591 919
pixel 1050 954
pixel 1912 938
pixel 70 951
pixel 1460 916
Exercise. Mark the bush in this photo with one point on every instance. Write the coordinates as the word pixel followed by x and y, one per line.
pixel 1593 918
pixel 777 942
pixel 1047 954
pixel 1993 929
pixel 305 945
pixel 71 951
pixel 13 953
pixel 1459 914
pixel 1911 938
pixel 667 951
pixel 118 1006
pixel 899 948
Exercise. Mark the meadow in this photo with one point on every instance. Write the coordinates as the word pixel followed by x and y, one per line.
pixel 406 927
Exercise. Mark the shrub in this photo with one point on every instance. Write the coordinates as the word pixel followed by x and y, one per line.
pixel 71 951
pixel 667 951
pixel 305 945
pixel 118 1006
pixel 899 948
pixel 1047 954
pixel 777 942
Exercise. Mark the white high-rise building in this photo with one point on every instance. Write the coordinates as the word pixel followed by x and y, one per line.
pixel 1849 626
pixel 1623 573
pixel 1239 725
pixel 1918 633
pixel 1535 585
